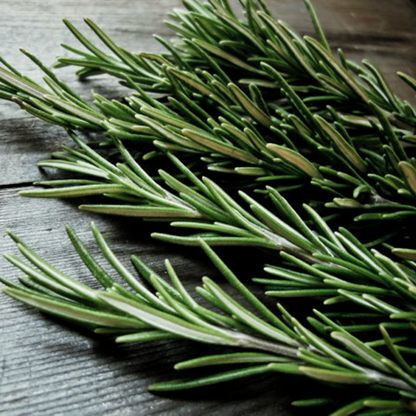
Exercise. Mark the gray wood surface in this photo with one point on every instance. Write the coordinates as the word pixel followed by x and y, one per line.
pixel 49 368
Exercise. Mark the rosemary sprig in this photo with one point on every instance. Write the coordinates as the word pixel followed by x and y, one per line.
pixel 274 344
pixel 361 179
pixel 211 36
pixel 335 266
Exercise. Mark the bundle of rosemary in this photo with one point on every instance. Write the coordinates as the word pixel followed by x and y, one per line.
pixel 268 141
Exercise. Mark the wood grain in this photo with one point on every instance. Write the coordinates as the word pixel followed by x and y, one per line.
pixel 49 368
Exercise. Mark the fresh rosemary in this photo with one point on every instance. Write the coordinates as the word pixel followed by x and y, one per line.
pixel 249 115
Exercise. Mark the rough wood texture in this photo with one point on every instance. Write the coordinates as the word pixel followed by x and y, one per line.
pixel 47 368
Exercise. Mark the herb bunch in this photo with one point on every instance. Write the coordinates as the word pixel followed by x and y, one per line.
pixel 248 114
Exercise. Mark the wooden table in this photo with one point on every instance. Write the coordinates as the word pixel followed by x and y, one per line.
pixel 47 368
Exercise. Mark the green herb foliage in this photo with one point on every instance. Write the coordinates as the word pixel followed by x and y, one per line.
pixel 249 115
